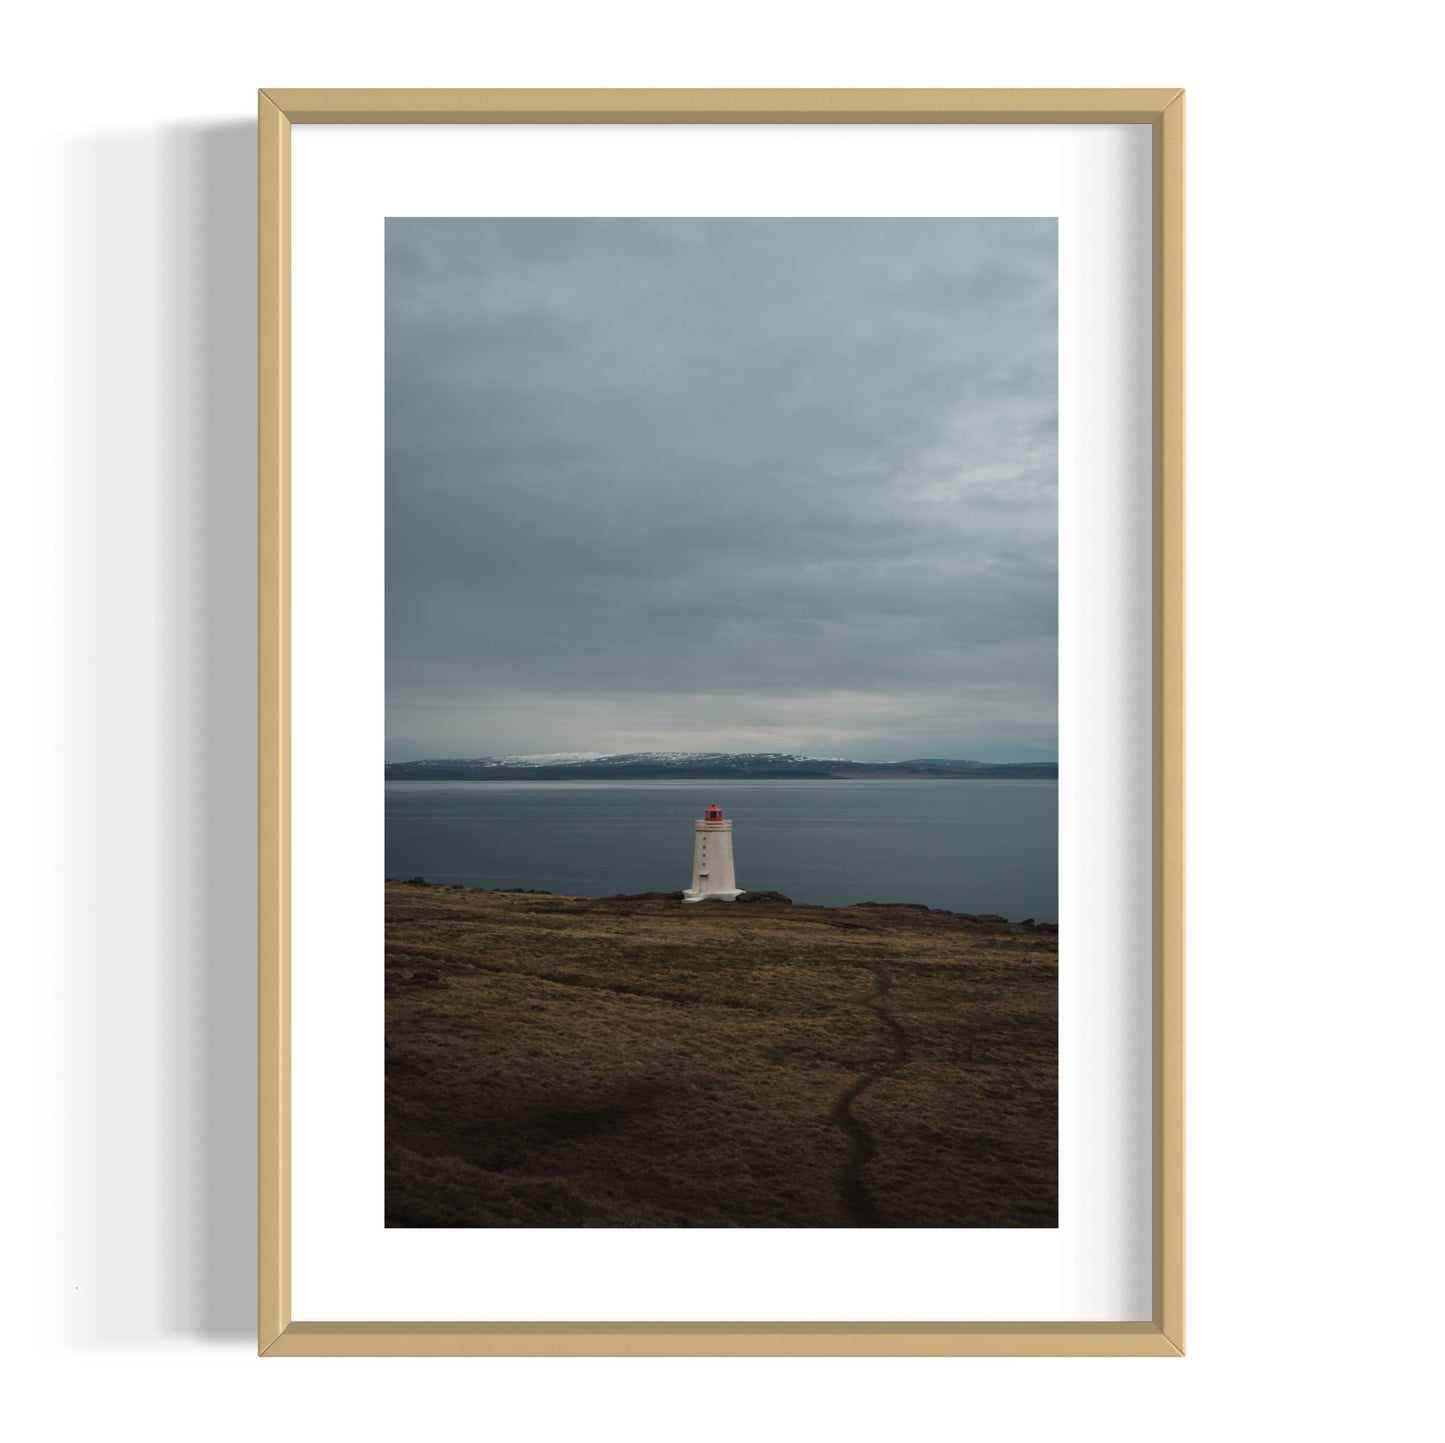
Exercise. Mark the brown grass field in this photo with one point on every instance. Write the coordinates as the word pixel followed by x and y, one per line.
pixel 634 1062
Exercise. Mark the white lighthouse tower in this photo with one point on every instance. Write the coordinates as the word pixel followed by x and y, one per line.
pixel 712 860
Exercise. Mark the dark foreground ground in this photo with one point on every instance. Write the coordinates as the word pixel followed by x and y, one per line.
pixel 633 1062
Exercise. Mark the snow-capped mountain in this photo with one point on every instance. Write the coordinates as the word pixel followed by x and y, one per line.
pixel 644 766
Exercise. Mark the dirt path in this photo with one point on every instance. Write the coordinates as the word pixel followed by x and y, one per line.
pixel 861 1210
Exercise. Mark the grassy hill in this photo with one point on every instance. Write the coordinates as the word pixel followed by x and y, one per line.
pixel 633 1062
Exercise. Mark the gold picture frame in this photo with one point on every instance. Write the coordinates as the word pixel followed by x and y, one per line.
pixel 1163 111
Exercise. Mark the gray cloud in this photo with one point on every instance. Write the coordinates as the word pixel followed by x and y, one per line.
pixel 722 484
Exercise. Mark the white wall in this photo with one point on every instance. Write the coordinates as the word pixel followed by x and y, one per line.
pixel 1314 532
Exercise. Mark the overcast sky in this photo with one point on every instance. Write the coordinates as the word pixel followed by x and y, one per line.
pixel 722 485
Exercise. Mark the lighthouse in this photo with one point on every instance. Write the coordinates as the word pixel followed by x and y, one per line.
pixel 712 860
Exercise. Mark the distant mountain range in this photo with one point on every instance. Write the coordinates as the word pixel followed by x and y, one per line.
pixel 702 766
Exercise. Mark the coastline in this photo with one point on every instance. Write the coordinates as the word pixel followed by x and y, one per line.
pixel 750 898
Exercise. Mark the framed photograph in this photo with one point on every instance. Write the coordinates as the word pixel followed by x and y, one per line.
pixel 721 709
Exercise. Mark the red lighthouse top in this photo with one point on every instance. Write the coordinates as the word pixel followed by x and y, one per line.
pixel 713 813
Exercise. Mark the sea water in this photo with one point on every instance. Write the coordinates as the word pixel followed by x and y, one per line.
pixel 965 845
